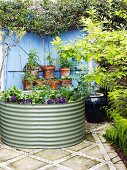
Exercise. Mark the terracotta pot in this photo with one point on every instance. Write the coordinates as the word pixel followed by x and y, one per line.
pixel 39 82
pixel 33 71
pixel 54 84
pixel 64 72
pixel 27 85
pixel 48 71
pixel 66 82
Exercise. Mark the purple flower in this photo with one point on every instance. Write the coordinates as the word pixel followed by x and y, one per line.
pixel 29 101
pixel 49 102
pixel 61 101
pixel 13 98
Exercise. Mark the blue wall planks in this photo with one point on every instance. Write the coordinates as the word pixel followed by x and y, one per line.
pixel 17 58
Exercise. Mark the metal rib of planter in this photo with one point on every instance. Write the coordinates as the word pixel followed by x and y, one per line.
pixel 42 126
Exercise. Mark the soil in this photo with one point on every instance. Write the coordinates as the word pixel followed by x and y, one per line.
pixel 121 154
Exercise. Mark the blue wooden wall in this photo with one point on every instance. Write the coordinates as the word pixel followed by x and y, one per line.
pixel 17 58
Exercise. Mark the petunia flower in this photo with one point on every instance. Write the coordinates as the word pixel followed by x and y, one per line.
pixel 13 98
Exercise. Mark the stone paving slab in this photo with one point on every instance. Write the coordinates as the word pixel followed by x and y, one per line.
pixel 91 154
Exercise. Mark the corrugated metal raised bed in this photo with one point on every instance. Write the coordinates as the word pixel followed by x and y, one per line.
pixel 42 126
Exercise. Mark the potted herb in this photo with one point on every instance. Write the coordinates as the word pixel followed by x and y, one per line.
pixel 65 54
pixel 54 83
pixel 48 70
pixel 64 67
pixel 66 81
pixel 32 65
pixel 39 82
pixel 28 81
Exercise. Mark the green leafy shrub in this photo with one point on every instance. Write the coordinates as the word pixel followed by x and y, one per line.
pixel 49 18
pixel 117 133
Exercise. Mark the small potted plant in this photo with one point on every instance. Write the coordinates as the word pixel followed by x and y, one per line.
pixel 54 83
pixel 32 65
pixel 65 54
pixel 66 81
pixel 39 82
pixel 65 65
pixel 28 81
pixel 48 70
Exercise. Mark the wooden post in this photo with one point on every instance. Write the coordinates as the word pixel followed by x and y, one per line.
pixel 1 59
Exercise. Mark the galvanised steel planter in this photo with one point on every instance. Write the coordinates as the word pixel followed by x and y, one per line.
pixel 42 126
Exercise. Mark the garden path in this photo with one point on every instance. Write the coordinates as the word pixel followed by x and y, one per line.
pixel 94 153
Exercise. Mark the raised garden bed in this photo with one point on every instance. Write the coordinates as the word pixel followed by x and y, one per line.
pixel 42 126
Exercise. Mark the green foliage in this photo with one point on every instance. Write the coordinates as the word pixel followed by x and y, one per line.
pixel 117 133
pixel 50 59
pixel 32 58
pixel 48 17
pixel 108 49
pixel 118 102
pixel 41 95
pixel 27 76
pixel 7 95
pixel 65 52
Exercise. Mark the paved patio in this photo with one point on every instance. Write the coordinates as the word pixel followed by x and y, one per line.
pixel 93 153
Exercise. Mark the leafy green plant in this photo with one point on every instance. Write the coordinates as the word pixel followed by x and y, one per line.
pixel 33 59
pixel 50 59
pixel 28 77
pixel 117 133
pixel 43 95
pixel 65 53
pixel 11 95
pixel 49 18
pixel 66 78
pixel 108 49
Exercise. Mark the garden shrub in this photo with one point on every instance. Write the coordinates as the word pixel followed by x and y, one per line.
pixel 108 49
pixel 48 18
pixel 117 133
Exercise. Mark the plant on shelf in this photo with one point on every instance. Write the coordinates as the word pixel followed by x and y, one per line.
pixel 66 81
pixel 54 83
pixel 28 81
pixel 65 54
pixel 48 70
pixel 39 82
pixel 32 65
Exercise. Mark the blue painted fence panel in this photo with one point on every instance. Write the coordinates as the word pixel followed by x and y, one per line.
pixel 17 58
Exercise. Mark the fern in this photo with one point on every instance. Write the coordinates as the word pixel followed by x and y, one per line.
pixel 117 133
